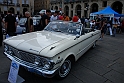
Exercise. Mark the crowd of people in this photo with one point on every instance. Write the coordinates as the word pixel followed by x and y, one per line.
pixel 10 23
pixel 48 17
pixel 111 26
pixel 106 26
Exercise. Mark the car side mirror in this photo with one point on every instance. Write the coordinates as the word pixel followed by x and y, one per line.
pixel 77 36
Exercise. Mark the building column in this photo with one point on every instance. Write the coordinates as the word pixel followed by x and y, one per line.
pixel 69 10
pixel 74 9
pixel 82 9
pixel 62 5
pixel 123 7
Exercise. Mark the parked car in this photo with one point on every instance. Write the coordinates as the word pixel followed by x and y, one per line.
pixel 36 21
pixel 21 26
pixel 37 16
pixel 44 11
pixel 52 51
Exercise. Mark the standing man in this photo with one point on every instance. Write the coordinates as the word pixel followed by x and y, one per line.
pixel 10 24
pixel 46 18
pixel 1 33
pixel 75 18
pixel 97 22
pixel 103 26
pixel 29 23
pixel 54 17
pixel 40 25
pixel 83 20
pixel 60 16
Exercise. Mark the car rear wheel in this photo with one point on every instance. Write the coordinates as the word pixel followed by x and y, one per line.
pixel 65 69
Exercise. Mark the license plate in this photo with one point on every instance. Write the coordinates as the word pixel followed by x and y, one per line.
pixel 34 71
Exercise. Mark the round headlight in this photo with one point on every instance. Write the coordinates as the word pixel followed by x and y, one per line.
pixel 47 64
pixel 43 63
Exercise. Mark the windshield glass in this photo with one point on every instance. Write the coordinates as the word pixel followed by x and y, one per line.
pixel 65 27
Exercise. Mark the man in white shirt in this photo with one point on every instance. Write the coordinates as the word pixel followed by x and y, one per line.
pixel 54 17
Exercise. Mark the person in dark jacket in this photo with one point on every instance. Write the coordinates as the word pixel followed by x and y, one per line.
pixel 46 18
pixel 97 22
pixel 1 33
pixel 10 24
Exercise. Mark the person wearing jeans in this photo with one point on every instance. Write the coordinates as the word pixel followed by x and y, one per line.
pixel 114 27
pixel 109 28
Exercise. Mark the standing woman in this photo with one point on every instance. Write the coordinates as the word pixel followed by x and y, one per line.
pixel 115 25
pixel 103 27
pixel 1 33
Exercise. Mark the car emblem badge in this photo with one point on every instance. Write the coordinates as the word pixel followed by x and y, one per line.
pixel 33 50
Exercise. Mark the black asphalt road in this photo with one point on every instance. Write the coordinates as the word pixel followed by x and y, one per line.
pixel 103 64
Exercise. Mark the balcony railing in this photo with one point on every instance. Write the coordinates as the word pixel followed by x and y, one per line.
pixel 66 1
pixel 18 5
pixel 25 5
pixel 8 4
pixel 11 4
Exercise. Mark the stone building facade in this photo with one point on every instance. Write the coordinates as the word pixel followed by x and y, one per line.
pixel 41 4
pixel 85 7
pixel 17 6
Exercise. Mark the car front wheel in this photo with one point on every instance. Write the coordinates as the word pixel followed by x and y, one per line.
pixel 65 69
pixel 94 44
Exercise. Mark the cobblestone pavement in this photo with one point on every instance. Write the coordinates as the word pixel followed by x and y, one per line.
pixel 103 64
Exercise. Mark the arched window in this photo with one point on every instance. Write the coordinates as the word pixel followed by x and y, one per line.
pixel 117 6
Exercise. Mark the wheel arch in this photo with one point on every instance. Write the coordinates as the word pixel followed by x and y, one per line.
pixel 71 57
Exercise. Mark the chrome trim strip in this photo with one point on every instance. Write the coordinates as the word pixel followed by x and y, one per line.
pixel 76 44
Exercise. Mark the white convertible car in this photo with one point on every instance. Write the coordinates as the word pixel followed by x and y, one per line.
pixel 52 51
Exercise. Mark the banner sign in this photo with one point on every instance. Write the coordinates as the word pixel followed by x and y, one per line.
pixel 13 73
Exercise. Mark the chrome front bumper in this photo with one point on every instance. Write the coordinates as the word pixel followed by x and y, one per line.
pixel 33 68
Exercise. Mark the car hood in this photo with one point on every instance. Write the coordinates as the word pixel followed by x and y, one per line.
pixel 35 42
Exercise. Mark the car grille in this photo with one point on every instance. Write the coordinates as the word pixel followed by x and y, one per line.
pixel 25 56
